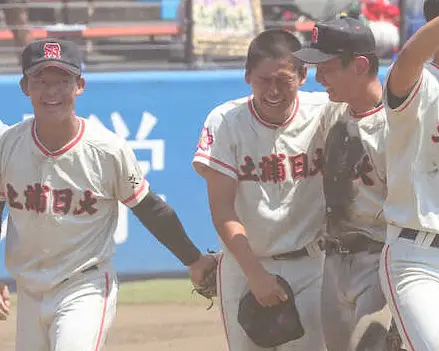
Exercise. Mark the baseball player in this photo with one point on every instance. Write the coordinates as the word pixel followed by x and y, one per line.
pixel 354 309
pixel 409 266
pixel 261 157
pixel 62 178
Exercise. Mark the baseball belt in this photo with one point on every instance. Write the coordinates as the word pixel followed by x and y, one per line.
pixel 411 234
pixel 89 269
pixel 351 245
pixel 291 255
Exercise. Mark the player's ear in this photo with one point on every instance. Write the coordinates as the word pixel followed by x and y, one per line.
pixel 23 85
pixel 247 76
pixel 362 65
pixel 80 85
pixel 303 72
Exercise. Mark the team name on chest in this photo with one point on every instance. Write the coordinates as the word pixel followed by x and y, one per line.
pixel 277 168
pixel 37 198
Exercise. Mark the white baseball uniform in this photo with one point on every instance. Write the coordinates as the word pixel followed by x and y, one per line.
pixel 353 303
pixel 63 210
pixel 409 267
pixel 279 201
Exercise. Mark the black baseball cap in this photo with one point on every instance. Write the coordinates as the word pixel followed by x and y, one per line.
pixel 39 54
pixel 431 9
pixel 333 38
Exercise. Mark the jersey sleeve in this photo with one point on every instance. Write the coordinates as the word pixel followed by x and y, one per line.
pixel 215 148
pixel 410 105
pixel 131 187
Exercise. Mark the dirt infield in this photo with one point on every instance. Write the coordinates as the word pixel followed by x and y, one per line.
pixel 152 327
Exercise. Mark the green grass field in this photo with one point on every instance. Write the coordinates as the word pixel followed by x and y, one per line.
pixel 159 291
pixel 155 291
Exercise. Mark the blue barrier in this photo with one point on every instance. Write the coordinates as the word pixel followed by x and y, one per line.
pixel 161 115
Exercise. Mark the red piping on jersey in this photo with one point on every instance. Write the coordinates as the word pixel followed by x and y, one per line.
pixel 137 192
pixel 220 267
pixel 66 147
pixel 434 65
pixel 104 311
pixel 272 125
pixel 403 107
pixel 389 283
pixel 367 113
pixel 210 158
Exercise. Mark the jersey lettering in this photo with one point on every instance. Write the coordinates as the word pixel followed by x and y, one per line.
pixel 86 205
pixel 12 196
pixel 36 198
pixel 273 168
pixel 362 168
pixel 62 200
pixel 247 170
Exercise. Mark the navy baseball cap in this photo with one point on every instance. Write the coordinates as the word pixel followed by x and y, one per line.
pixel 333 38
pixel 40 54
pixel 431 9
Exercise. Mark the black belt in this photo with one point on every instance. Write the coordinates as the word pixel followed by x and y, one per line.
pixel 411 234
pixel 89 269
pixel 351 245
pixel 291 255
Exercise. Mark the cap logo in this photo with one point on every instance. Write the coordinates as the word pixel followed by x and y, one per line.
pixel 315 35
pixel 52 51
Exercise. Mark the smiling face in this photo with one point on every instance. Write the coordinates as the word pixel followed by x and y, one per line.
pixel 275 83
pixel 52 92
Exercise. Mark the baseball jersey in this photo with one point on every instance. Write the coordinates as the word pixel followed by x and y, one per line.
pixel 63 205
pixel 412 152
pixel 355 171
pixel 278 168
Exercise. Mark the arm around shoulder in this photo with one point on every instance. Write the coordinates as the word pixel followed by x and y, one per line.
pixel 407 69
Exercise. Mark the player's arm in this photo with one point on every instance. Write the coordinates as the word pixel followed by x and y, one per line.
pixel 408 66
pixel 5 299
pixel 222 192
pixel 162 221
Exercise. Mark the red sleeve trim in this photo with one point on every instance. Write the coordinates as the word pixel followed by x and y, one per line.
pixel 407 103
pixel 138 191
pixel 212 159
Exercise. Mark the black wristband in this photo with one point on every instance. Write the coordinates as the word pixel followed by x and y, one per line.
pixel 162 221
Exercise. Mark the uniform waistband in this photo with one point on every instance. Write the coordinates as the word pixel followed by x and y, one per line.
pixel 351 244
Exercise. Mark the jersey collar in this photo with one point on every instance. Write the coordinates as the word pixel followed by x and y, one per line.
pixel 367 113
pixel 256 115
pixel 65 148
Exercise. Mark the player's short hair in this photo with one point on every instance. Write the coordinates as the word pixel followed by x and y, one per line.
pixel 273 44
pixel 374 62
pixel 431 9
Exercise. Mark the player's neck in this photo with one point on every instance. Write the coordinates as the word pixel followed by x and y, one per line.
pixel 278 119
pixel 368 98
pixel 56 134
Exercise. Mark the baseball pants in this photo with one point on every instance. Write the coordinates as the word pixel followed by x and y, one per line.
pixel 355 314
pixel 409 272
pixel 75 315
pixel 305 277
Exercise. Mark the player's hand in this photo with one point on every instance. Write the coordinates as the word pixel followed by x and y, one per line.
pixel 197 269
pixel 5 302
pixel 266 289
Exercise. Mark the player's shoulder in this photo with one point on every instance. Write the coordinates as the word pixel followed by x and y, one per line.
pixel 14 132
pixel 229 111
pixel 100 137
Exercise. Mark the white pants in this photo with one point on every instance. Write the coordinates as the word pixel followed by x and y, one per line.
pixel 74 316
pixel 305 277
pixel 355 314
pixel 409 272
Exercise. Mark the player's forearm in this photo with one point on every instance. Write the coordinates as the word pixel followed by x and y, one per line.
pixel 232 233
pixel 409 64
pixel 162 221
